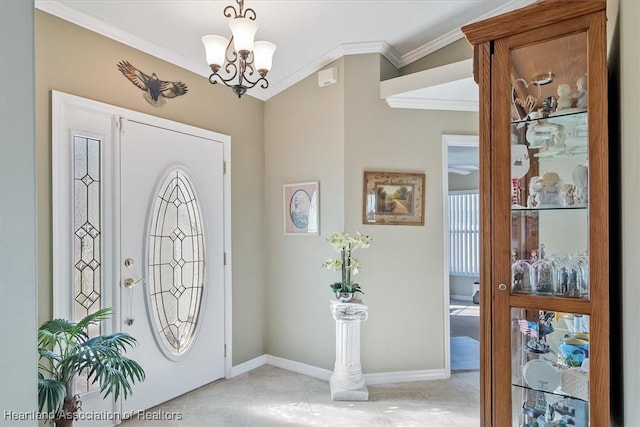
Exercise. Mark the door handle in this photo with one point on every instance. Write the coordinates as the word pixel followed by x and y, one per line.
pixel 502 287
pixel 129 282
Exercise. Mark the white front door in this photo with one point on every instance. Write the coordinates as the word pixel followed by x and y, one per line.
pixel 141 198
pixel 171 259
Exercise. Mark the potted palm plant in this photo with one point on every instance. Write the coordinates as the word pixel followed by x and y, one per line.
pixel 66 350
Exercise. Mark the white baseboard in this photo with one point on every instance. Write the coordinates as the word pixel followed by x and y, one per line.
pixel 325 374
pixel 248 365
pixel 301 368
pixel 405 376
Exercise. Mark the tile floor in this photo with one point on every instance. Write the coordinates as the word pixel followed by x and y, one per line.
pixel 464 319
pixel 270 396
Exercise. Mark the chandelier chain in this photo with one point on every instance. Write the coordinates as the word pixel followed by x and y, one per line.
pixel 231 12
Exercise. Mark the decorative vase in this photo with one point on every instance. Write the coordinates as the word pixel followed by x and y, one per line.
pixel 573 351
pixel 344 296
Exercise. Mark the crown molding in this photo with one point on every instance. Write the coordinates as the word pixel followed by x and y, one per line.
pixel 409 91
pixel 429 48
pixel 62 11
pixel 302 73
pixel 380 47
pixel 432 103
pixel 59 9
pixel 455 35
pixel 427 78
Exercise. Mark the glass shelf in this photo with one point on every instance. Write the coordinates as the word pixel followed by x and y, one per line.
pixel 517 209
pixel 556 136
pixel 550 409
pixel 557 392
pixel 549 366
pixel 568 116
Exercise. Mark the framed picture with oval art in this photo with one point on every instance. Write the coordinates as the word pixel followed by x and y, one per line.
pixel 301 208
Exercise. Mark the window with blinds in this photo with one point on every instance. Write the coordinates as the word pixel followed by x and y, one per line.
pixel 464 233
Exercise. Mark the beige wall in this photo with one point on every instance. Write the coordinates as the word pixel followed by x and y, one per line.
pixel 402 273
pixel 464 182
pixel 304 142
pixel 404 269
pixel 630 94
pixel 73 60
pixel 454 52
pixel 462 285
pixel 387 69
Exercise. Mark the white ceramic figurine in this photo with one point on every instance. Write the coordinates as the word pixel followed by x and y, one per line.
pixel 581 94
pixel 564 97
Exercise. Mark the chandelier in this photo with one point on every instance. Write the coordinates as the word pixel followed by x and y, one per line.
pixel 245 58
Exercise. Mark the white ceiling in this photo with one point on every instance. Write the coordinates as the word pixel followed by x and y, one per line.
pixel 309 34
pixel 463 160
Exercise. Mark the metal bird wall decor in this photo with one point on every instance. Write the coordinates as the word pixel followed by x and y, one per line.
pixel 155 90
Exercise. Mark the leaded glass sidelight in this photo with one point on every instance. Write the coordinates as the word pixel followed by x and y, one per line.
pixel 87 256
pixel 176 262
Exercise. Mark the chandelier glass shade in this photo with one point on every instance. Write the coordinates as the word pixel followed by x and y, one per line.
pixel 236 66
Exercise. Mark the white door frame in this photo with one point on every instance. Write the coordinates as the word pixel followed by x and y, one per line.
pixel 61 204
pixel 449 141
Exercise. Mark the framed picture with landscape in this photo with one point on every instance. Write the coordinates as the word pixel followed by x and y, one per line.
pixel 393 198
pixel 301 208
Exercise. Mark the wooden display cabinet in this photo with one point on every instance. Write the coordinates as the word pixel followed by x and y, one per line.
pixel 544 180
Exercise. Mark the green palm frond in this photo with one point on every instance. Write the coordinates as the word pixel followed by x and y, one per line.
pixel 102 358
pixel 53 332
pixel 115 375
pixel 119 376
pixel 57 326
pixel 52 356
pixel 93 319
pixel 69 351
pixel 50 392
pixel 132 369
pixel 118 340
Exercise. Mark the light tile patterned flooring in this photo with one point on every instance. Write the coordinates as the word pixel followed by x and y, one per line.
pixel 270 396
pixel 464 319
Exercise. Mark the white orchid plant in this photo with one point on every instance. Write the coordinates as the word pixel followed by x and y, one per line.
pixel 347 264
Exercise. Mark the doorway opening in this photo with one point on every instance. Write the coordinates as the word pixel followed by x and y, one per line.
pixel 461 242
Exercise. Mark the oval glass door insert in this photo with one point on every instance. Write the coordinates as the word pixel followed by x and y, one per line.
pixel 176 263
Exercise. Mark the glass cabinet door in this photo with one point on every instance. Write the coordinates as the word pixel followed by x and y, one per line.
pixel 549 368
pixel 550 169
pixel 549 232
pixel 545 215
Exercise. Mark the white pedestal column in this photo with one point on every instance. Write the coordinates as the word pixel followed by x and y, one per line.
pixel 347 381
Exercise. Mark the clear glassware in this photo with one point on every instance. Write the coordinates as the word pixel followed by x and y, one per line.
pixel 568 278
pixel 582 260
pixel 542 275
pixel 520 276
